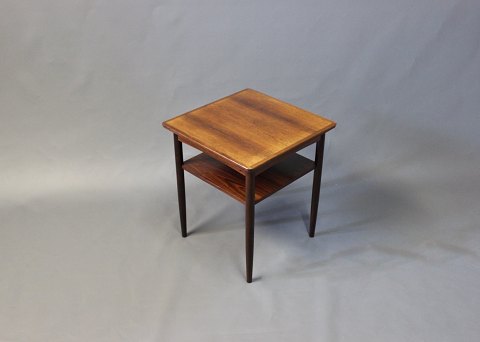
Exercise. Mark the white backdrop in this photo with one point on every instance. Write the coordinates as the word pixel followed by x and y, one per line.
pixel 90 248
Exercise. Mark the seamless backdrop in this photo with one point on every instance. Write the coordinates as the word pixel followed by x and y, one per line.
pixel 90 248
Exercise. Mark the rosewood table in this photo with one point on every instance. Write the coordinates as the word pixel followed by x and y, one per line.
pixel 249 142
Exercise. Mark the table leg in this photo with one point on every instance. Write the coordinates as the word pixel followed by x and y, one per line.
pixel 180 184
pixel 317 178
pixel 249 222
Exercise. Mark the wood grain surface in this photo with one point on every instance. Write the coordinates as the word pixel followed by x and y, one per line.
pixel 233 183
pixel 248 130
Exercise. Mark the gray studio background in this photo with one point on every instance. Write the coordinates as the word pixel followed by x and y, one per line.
pixel 90 248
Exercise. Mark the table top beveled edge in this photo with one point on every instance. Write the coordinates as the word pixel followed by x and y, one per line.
pixel 214 154
pixel 264 164
pixel 257 168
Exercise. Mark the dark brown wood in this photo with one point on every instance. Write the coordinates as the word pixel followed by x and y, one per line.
pixel 180 184
pixel 249 223
pixel 233 183
pixel 249 131
pixel 317 179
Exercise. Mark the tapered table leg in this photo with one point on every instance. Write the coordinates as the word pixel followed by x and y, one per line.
pixel 317 179
pixel 180 184
pixel 249 222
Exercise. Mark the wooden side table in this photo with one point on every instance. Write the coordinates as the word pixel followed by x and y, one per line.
pixel 249 140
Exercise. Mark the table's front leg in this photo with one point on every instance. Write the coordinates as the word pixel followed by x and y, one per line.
pixel 317 179
pixel 249 222
pixel 180 184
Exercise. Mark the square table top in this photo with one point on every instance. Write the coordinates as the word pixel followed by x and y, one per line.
pixel 248 130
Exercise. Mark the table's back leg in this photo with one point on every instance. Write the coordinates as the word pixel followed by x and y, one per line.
pixel 180 184
pixel 249 222
pixel 317 179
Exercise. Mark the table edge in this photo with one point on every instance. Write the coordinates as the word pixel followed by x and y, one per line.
pixel 264 164
pixel 258 167
pixel 201 147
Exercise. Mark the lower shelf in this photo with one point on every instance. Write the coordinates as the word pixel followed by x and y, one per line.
pixel 233 183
